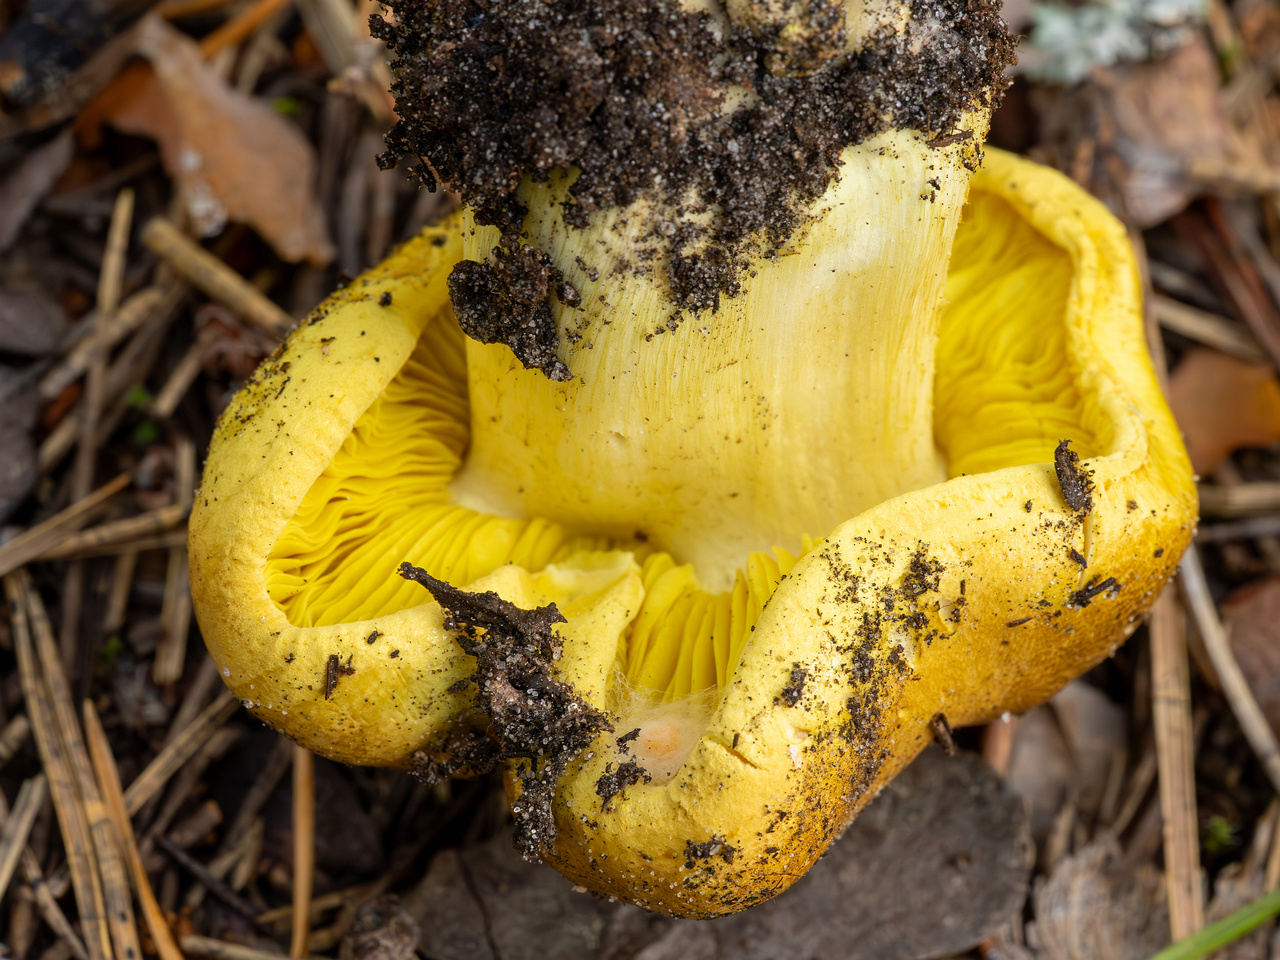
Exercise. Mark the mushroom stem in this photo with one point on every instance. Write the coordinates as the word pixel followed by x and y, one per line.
pixel 797 404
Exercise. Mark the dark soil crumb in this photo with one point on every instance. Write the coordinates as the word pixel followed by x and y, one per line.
pixel 942 733
pixel 508 301
pixel 794 689
pixel 334 669
pixel 1077 488
pixel 1077 557
pixel 1081 598
pixel 533 716
pixel 613 782
pixel 1019 622
pixel 385 299
pixel 468 752
pixel 629 92
pixel 715 847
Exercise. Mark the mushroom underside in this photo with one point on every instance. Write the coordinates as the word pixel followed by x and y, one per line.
pixel 1007 388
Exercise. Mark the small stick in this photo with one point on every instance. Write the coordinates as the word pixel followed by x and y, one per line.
pixel 106 333
pixel 206 683
pixel 248 848
pixel 212 883
pixel 104 765
pixel 111 278
pixel 124 931
pixel 222 950
pixel 239 28
pixel 71 815
pixel 13 737
pixel 178 751
pixel 28 545
pixel 1252 529
pixel 178 9
pixel 1175 751
pixel 118 597
pixel 214 277
pixel 160 541
pixel 1240 499
pixel 116 532
pixel 1144 774
pixel 1243 704
pixel 48 907
pixel 175 612
pixel 1206 328
pixel 304 846
pixel 17 827
pixel 185 783
pixel 1244 177
pixel 179 382
pixel 271 773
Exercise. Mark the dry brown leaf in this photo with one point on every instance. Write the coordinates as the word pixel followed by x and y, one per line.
pixel 1222 404
pixel 1090 908
pixel 1129 132
pixel 232 156
pixel 1251 614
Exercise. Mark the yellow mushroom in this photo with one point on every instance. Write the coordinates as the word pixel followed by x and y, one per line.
pixel 714 583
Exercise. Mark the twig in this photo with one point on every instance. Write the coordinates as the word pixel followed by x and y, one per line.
pixel 13 736
pixel 161 541
pixel 111 279
pixel 179 382
pixel 188 778
pixel 222 950
pixel 1251 529
pixel 1171 713
pixel 118 595
pixel 1207 328
pixel 93 541
pixel 238 29
pixel 304 846
pixel 214 277
pixel 271 773
pixel 1243 704
pixel 17 827
pixel 175 613
pixel 106 333
pixel 1144 774
pixel 206 683
pixel 120 919
pixel 71 815
pixel 1241 177
pixel 48 907
pixel 212 883
pixel 1240 499
pixel 178 751
pixel 109 779
pixel 28 545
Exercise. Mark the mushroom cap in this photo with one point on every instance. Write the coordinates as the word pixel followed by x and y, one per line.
pixel 979 595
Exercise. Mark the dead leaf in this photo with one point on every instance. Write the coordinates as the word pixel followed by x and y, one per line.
pixel 1252 613
pixel 1222 404
pixel 383 930
pixel 1088 909
pixel 31 325
pixel 23 189
pixel 19 468
pixel 1129 132
pixel 1063 752
pixel 232 156
pixel 936 863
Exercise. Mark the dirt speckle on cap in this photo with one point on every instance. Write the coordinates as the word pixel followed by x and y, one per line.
pixel 1077 488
